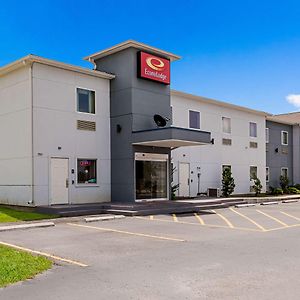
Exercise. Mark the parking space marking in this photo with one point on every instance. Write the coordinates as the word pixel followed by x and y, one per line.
pixel 249 219
pixel 223 218
pixel 128 232
pixel 55 257
pixel 198 224
pixel 175 218
pixel 291 216
pixel 273 218
pixel 201 221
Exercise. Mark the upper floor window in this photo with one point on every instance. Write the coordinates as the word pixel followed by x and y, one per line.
pixel 253 129
pixel 226 125
pixel 194 117
pixel 267 135
pixel 284 138
pixel 85 101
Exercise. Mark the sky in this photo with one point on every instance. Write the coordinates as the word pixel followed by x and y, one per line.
pixel 242 52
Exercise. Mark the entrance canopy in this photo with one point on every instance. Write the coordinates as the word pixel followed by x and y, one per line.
pixel 171 137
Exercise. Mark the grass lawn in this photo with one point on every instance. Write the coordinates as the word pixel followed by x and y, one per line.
pixel 12 215
pixel 17 265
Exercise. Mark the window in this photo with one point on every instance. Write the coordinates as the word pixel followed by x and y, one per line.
pixel 194 119
pixel 284 138
pixel 253 129
pixel 267 135
pixel 226 124
pixel 86 171
pixel 267 174
pixel 85 101
pixel 284 172
pixel 253 172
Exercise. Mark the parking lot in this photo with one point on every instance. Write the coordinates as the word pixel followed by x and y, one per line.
pixel 233 253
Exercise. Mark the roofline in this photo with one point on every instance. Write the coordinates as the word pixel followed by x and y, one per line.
pixel 219 103
pixel 128 44
pixel 274 119
pixel 29 59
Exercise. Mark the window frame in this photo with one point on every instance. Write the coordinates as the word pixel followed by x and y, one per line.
pixel 230 131
pixel 76 100
pixel 287 137
pixel 255 129
pixel 96 184
pixel 267 135
pixel 267 174
pixel 196 111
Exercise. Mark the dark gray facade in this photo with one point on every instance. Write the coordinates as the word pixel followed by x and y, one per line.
pixel 134 102
pixel 279 156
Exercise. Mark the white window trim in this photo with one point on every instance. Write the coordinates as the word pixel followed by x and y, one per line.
pixel 76 173
pixel 76 99
pixel 287 171
pixel 228 133
pixel 287 137
pixel 267 135
pixel 194 110
pixel 268 168
pixel 254 137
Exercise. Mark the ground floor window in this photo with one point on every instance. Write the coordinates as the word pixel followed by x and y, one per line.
pixel 267 174
pixel 226 167
pixel 86 171
pixel 151 177
pixel 284 172
pixel 253 172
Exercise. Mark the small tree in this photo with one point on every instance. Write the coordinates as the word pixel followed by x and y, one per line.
pixel 174 187
pixel 228 184
pixel 284 183
pixel 257 186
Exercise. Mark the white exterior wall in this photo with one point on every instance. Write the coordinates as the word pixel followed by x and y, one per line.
pixel 15 136
pixel 55 116
pixel 210 158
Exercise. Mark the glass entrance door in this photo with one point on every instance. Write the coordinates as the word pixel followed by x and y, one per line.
pixel 151 176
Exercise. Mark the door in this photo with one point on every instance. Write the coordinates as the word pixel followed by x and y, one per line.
pixel 184 179
pixel 59 181
pixel 151 176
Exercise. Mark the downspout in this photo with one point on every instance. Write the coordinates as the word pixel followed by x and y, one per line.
pixel 32 132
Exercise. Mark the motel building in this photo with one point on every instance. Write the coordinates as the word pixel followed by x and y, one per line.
pixel 118 133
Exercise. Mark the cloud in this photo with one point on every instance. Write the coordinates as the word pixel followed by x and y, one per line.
pixel 293 99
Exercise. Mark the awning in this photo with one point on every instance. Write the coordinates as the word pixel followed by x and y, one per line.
pixel 171 137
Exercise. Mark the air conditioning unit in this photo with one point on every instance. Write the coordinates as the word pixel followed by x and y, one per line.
pixel 213 192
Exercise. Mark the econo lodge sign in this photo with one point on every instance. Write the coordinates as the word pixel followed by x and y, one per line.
pixel 153 67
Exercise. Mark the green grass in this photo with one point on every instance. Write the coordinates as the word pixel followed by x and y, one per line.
pixel 12 215
pixel 17 265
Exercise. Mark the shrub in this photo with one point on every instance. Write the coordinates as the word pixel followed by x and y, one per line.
pixel 228 184
pixel 284 182
pixel 257 187
pixel 297 186
pixel 293 190
pixel 277 191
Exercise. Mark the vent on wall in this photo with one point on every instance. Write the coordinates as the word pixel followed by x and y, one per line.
pixel 284 150
pixel 86 125
pixel 226 142
pixel 253 145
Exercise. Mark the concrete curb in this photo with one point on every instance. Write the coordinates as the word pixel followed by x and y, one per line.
pixel 244 205
pixel 290 201
pixel 269 203
pixel 103 218
pixel 26 226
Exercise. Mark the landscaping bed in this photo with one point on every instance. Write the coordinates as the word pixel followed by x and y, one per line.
pixel 18 265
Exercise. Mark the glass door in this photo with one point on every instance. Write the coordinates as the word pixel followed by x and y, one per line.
pixel 151 176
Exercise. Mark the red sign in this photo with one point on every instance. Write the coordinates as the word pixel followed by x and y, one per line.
pixel 154 68
pixel 85 163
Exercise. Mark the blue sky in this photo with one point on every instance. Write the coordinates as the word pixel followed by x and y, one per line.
pixel 243 52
